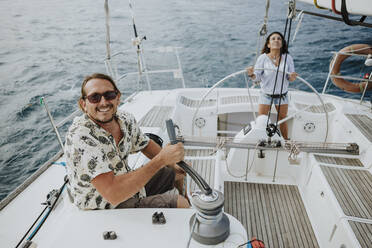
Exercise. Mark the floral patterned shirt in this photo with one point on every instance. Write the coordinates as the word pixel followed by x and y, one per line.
pixel 91 151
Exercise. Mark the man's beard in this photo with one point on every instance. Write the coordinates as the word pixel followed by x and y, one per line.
pixel 104 122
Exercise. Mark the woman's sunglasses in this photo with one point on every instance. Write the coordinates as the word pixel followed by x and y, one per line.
pixel 96 97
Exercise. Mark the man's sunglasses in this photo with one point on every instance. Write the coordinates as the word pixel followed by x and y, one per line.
pixel 96 97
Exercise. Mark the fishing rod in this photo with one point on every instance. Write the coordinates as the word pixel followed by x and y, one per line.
pixel 52 199
pixel 137 41
pixel 135 28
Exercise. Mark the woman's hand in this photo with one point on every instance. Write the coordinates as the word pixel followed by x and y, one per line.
pixel 292 76
pixel 250 72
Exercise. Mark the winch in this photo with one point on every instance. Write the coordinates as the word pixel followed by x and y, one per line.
pixel 209 225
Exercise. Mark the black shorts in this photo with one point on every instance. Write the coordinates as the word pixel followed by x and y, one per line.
pixel 157 195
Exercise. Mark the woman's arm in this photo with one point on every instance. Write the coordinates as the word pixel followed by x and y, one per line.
pixel 292 74
pixel 260 63
pixel 256 74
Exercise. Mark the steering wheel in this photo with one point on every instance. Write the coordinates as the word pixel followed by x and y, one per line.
pixel 281 121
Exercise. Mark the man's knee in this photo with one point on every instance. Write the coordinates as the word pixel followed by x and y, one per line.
pixel 179 177
pixel 182 202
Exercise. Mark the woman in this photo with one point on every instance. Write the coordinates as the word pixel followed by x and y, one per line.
pixel 275 46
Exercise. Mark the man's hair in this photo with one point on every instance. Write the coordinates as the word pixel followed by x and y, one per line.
pixel 283 49
pixel 96 76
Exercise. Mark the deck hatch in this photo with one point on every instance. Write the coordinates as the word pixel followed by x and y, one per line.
pixel 338 160
pixel 352 189
pixel 363 123
pixel 156 117
pixel 272 213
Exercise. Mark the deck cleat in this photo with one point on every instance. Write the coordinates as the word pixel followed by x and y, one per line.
pixel 109 235
pixel 158 218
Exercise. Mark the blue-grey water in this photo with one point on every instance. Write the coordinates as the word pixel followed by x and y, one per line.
pixel 48 46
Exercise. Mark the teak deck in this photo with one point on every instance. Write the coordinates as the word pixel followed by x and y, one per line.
pixel 363 123
pixel 353 190
pixel 272 213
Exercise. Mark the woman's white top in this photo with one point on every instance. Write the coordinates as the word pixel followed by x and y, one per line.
pixel 267 77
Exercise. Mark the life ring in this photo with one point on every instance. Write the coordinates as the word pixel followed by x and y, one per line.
pixel 337 61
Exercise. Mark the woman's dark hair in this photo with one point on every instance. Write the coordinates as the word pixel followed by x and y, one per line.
pixel 284 48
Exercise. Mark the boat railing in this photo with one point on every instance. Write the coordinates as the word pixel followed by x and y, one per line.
pixel 143 72
pixel 330 75
pixel 142 68
pixel 4 202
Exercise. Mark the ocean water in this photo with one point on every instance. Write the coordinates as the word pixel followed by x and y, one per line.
pixel 48 46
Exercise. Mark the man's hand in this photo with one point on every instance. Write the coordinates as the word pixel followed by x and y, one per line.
pixel 172 154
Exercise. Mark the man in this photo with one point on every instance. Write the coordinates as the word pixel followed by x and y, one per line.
pixel 97 148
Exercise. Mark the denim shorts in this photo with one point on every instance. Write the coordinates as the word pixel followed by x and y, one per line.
pixel 266 99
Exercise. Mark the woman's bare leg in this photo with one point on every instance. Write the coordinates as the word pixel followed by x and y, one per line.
pixel 283 113
pixel 263 109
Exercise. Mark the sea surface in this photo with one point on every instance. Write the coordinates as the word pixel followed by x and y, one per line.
pixel 48 46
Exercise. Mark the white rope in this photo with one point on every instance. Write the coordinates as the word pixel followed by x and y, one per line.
pixel 263 30
pixel 249 167
pixel 250 97
pixel 293 149
pixel 228 169
pixel 299 18
pixel 254 152
pixel 219 145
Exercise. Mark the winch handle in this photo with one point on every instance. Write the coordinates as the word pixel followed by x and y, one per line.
pixel 203 185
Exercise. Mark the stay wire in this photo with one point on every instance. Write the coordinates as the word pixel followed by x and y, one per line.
pixel 276 76
pixel 284 71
